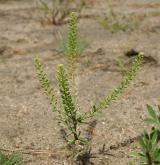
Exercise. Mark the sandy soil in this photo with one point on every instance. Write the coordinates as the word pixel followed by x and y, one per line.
pixel 26 120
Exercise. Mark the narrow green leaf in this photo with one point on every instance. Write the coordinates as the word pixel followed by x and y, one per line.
pixel 142 144
pixel 149 121
pixel 158 124
pixel 143 160
pixel 151 112
pixel 157 158
pixel 135 154
pixel 154 137
pixel 45 5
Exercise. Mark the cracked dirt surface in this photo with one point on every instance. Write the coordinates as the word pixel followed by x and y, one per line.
pixel 26 120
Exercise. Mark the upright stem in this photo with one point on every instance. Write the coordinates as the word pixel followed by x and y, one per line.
pixel 75 133
pixel 149 159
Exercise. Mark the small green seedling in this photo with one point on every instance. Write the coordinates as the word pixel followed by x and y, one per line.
pixel 149 142
pixel 115 22
pixel 10 159
pixel 150 150
pixel 154 117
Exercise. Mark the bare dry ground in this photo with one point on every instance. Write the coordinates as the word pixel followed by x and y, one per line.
pixel 26 120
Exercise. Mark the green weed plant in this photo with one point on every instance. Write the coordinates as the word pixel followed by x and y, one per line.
pixel 149 153
pixel 116 22
pixel 10 159
pixel 70 115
